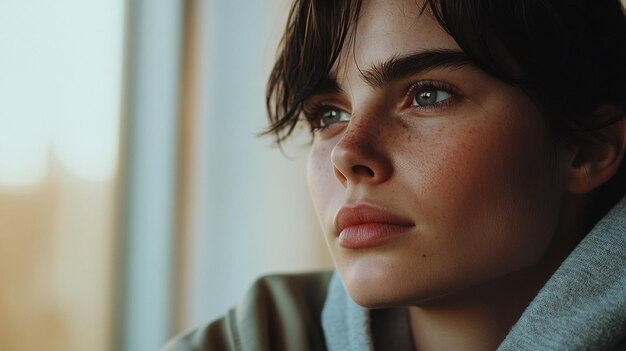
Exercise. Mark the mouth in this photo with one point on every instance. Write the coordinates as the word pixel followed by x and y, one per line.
pixel 364 226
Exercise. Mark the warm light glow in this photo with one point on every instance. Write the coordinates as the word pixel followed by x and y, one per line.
pixel 61 68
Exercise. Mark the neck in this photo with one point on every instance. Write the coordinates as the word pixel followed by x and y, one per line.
pixel 480 317
pixel 477 320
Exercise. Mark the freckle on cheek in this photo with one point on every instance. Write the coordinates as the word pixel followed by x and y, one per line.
pixel 390 135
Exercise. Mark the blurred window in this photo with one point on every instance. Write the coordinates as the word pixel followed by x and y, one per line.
pixel 60 102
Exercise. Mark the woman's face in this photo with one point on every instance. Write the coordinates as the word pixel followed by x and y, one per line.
pixel 429 175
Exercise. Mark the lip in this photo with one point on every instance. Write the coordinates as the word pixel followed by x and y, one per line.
pixel 363 225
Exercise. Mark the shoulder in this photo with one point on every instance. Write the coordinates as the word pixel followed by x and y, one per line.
pixel 279 312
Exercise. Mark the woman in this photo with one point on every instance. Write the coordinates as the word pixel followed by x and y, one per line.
pixel 466 168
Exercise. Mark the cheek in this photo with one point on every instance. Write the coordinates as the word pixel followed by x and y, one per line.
pixel 484 205
pixel 489 194
pixel 323 186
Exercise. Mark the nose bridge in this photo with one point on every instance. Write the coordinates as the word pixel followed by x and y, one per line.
pixel 360 134
pixel 359 155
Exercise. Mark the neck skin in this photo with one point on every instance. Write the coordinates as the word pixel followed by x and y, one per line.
pixel 479 318
pixel 474 319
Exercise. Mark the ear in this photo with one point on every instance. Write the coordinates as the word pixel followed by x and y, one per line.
pixel 599 155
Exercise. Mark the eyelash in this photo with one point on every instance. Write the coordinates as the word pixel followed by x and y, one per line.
pixel 314 110
pixel 421 86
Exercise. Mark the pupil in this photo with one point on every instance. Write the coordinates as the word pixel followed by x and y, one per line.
pixel 331 115
pixel 428 97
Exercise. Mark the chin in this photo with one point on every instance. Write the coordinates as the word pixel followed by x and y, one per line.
pixel 373 286
pixel 372 299
pixel 384 296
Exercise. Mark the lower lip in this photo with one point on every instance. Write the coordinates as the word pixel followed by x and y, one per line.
pixel 370 234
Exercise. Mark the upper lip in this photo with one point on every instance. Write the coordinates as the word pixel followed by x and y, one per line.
pixel 364 213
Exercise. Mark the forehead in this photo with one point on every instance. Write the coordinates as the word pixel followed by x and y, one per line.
pixel 391 28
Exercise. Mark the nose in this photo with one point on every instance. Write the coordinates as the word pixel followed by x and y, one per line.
pixel 360 156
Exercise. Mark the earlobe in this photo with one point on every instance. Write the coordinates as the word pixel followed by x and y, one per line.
pixel 598 157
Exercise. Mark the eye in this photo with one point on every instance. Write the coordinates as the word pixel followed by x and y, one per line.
pixel 430 94
pixel 325 116
pixel 333 115
pixel 430 97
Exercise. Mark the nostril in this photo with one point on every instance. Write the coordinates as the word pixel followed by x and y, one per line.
pixel 340 176
pixel 363 170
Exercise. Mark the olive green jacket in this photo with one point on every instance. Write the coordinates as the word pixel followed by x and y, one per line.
pixel 280 312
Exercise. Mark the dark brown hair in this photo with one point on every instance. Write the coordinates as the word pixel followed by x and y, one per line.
pixel 571 55
pixel 313 39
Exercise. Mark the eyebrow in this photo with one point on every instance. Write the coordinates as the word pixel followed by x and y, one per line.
pixel 398 67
